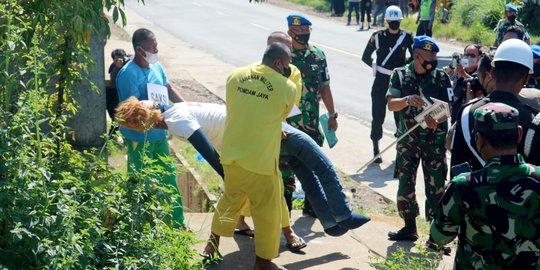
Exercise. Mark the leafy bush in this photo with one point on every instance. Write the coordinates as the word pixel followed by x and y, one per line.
pixel 60 208
pixel 467 12
pixel 402 259
pixel 529 15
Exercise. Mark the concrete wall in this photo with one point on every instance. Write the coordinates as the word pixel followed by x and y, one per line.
pixel 195 196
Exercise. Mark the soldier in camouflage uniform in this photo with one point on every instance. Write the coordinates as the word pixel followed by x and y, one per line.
pixel 510 13
pixel 316 83
pixel 408 85
pixel 494 211
pixel 312 64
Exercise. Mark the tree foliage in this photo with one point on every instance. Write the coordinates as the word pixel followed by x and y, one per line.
pixel 60 208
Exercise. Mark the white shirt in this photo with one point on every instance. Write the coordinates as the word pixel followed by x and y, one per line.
pixel 184 118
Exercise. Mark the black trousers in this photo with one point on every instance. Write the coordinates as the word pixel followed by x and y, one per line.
pixel 365 9
pixel 378 105
pixel 356 7
pixel 423 29
pixel 339 7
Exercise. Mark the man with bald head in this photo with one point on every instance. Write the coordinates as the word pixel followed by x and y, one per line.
pixel 259 97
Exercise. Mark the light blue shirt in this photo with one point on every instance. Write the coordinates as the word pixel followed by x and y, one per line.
pixel 131 81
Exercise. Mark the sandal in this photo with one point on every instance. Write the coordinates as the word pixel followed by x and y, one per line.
pixel 246 232
pixel 296 245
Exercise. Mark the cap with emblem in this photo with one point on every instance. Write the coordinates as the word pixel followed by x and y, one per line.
pixel 510 7
pixel 494 117
pixel 298 19
pixel 426 43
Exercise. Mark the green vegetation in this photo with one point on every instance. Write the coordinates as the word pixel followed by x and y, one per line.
pixel 61 208
pixel 401 259
pixel 319 5
pixel 297 204
pixel 470 20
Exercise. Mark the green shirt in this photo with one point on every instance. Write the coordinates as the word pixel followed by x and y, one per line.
pixel 312 64
pixel 496 214
pixel 426 11
pixel 404 82
pixel 502 26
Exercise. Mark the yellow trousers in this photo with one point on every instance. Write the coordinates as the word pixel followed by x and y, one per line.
pixel 266 203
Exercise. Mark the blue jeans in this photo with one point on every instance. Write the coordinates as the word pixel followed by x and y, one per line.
pixel 317 176
pixel 379 9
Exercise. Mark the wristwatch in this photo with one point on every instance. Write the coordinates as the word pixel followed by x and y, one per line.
pixel 407 100
pixel 334 115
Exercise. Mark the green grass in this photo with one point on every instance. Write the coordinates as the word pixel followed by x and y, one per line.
pixel 208 176
pixel 477 33
pixel 418 259
pixel 319 5
pixel 297 204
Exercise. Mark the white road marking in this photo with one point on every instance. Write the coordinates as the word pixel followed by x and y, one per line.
pixel 337 50
pixel 260 26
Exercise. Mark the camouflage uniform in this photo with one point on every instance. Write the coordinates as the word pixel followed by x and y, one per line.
pixel 421 144
pixel 495 210
pixel 502 26
pixel 314 69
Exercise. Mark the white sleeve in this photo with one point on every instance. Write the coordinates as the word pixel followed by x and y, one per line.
pixel 180 122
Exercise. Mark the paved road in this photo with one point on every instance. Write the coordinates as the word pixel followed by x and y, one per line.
pixel 235 31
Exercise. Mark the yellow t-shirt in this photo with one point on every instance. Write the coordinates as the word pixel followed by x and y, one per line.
pixel 296 77
pixel 258 100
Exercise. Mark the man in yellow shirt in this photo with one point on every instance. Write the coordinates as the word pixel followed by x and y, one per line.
pixel 259 98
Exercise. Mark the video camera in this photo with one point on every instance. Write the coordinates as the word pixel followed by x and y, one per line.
pixel 476 86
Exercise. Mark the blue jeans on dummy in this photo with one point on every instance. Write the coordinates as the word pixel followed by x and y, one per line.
pixel 316 173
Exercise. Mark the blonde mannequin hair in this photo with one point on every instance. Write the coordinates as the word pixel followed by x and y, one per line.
pixel 132 114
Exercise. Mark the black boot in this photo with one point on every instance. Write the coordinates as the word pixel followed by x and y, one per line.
pixel 376 152
pixel 407 233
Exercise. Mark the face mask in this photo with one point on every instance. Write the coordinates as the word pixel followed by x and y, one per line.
pixel 151 58
pixel 302 39
pixel 512 18
pixel 429 66
pixel 472 61
pixel 286 72
pixel 394 25
pixel 536 69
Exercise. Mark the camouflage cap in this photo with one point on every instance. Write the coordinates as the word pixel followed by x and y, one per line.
pixel 495 117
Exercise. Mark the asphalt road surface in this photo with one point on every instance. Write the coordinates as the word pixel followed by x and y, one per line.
pixel 235 31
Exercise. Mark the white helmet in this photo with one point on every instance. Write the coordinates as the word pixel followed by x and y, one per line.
pixel 393 13
pixel 515 50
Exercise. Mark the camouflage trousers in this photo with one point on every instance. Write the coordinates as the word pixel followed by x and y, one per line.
pixel 434 167
pixel 289 182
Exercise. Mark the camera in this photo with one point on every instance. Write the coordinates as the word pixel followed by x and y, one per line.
pixel 476 86
pixel 459 59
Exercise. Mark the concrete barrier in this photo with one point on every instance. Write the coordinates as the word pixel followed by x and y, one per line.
pixel 196 197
